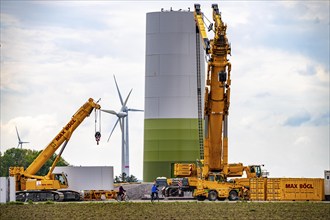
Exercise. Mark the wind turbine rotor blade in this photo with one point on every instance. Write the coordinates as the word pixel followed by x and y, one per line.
pixel 121 99
pixel 134 110
pixel 113 129
pixel 124 105
pixel 109 111
pixel 121 126
pixel 19 139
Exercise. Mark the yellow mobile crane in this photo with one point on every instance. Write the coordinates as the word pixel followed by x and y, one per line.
pixel 213 166
pixel 39 188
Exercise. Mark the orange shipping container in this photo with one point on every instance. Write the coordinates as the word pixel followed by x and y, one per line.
pixel 295 189
pixel 258 189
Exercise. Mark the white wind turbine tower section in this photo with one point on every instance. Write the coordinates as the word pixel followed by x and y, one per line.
pixel 122 115
pixel 20 142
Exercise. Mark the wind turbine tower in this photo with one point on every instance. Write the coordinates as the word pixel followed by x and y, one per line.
pixel 122 116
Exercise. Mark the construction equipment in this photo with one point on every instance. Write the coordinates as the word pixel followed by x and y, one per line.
pixel 213 166
pixel 186 177
pixel 214 169
pixel 210 177
pixel 51 186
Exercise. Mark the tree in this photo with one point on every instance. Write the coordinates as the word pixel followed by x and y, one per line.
pixel 16 157
pixel 123 178
pixel 132 179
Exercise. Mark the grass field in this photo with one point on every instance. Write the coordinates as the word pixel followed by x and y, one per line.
pixel 167 210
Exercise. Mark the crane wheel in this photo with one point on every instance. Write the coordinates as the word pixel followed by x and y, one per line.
pixel 56 197
pixel 233 195
pixel 213 195
pixel 200 198
pixel 173 192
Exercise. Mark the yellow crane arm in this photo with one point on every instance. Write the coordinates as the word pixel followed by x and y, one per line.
pixel 198 15
pixel 217 94
pixel 61 137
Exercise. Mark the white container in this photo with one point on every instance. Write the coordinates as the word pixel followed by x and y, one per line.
pixel 327 184
pixel 7 189
pixel 88 177
pixel 3 189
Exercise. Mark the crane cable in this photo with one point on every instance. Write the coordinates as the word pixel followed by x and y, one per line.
pixel 97 132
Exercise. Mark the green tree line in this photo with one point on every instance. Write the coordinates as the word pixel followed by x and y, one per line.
pixel 16 157
pixel 123 178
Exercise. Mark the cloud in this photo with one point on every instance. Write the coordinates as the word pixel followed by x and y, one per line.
pixel 321 119
pixel 289 27
pixel 298 119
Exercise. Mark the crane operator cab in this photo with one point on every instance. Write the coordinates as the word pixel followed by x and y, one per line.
pixel 255 171
pixel 216 176
pixel 62 179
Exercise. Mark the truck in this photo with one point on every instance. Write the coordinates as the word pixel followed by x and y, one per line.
pixel 52 186
pixel 185 180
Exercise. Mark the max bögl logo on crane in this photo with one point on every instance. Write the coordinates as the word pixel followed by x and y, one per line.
pixel 67 127
pixel 299 186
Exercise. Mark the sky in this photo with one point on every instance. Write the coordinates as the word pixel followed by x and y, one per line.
pixel 57 54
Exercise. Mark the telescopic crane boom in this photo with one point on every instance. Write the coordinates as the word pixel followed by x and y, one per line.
pixel 217 94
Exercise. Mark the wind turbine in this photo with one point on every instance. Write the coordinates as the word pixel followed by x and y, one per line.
pixel 122 116
pixel 20 142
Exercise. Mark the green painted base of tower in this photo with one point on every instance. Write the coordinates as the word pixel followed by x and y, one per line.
pixel 168 141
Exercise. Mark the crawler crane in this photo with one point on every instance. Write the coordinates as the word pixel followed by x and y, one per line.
pixel 210 175
pixel 51 186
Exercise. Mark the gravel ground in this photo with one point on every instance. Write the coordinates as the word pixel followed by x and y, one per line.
pixel 137 191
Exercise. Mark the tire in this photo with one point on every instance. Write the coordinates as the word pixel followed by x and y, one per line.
pixel 56 197
pixel 233 195
pixel 201 198
pixel 21 197
pixel 173 192
pixel 77 197
pixel 213 195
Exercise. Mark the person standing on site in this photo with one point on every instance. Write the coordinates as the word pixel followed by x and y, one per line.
pixel 154 193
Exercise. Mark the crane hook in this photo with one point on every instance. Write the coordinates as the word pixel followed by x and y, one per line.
pixel 97 137
pixel 97 132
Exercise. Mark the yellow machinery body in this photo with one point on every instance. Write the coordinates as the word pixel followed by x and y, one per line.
pixel 209 176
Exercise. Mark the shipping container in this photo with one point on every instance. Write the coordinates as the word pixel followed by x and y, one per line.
pixel 273 189
pixel 327 184
pixel 295 189
pixel 258 189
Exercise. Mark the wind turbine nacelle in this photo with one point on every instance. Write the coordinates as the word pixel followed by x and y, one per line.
pixel 122 114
